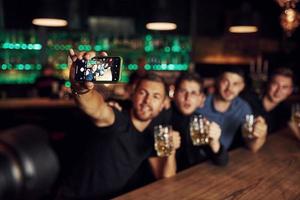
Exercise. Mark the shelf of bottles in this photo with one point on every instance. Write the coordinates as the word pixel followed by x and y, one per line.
pixel 22 53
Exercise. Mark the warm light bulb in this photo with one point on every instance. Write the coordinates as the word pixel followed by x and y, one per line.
pixel 161 26
pixel 243 29
pixel 290 15
pixel 50 22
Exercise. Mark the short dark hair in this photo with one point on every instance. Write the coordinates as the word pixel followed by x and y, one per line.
pixel 232 69
pixel 186 76
pixel 150 76
pixel 283 71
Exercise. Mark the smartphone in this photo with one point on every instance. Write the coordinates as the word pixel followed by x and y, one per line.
pixel 99 69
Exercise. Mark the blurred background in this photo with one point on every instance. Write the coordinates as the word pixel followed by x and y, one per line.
pixel 203 37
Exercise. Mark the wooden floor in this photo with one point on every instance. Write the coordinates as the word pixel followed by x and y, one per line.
pixel 272 173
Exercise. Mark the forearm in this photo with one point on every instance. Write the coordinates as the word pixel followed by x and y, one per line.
pixel 90 102
pixel 169 168
pixel 163 167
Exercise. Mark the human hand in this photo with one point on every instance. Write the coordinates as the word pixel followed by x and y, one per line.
pixel 115 105
pixel 260 128
pixel 214 132
pixel 176 139
pixel 80 87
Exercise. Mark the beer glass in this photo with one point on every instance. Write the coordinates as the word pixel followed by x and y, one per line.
pixel 163 140
pixel 199 130
pixel 296 114
pixel 247 128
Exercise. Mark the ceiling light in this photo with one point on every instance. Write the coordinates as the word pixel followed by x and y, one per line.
pixel 162 18
pixel 161 26
pixel 50 22
pixel 243 29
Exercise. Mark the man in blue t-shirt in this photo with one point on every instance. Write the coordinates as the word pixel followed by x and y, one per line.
pixel 229 110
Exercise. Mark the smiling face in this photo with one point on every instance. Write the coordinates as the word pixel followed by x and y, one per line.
pixel 279 88
pixel 148 100
pixel 230 85
pixel 188 97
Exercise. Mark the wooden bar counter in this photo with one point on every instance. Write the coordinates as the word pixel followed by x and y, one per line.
pixel 26 103
pixel 272 173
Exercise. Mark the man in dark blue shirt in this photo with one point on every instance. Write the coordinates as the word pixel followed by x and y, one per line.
pixel 227 109
pixel 187 97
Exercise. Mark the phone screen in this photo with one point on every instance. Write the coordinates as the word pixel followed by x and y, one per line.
pixel 99 69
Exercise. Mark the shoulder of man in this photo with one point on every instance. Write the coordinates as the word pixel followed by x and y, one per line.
pixel 241 104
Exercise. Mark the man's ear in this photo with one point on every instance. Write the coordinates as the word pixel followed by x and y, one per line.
pixel 242 86
pixel 291 91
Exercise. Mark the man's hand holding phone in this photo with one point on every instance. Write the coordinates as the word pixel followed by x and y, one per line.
pixel 80 87
pixel 88 99
pixel 100 69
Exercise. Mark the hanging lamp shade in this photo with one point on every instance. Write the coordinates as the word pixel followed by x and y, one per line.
pixel 51 14
pixel 244 20
pixel 161 19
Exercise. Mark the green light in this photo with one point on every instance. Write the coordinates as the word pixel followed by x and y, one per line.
pixel 63 66
pixel 176 46
pixel 20 67
pixel 88 47
pixel 167 49
pixel 80 47
pixel 67 47
pixel 164 66
pixel 106 44
pixel 30 46
pixel 27 67
pixel 148 48
pixel 68 84
pixel 10 46
pixel 171 67
pixel 148 37
pixel 147 67
pixel 3 66
pixel 9 66
pixel 17 46
pixel 38 66
pixel 98 47
pixel 37 46
pixel 23 46
pixel 132 67
pixel 5 45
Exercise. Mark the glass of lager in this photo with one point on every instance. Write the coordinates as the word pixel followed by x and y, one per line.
pixel 163 140
pixel 296 114
pixel 199 128
pixel 247 129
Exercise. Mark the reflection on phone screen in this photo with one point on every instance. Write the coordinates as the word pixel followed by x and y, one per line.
pixel 100 69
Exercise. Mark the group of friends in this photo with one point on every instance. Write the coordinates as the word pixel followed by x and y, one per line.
pixel 120 155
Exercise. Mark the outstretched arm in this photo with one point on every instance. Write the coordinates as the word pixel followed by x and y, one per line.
pixel 88 99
